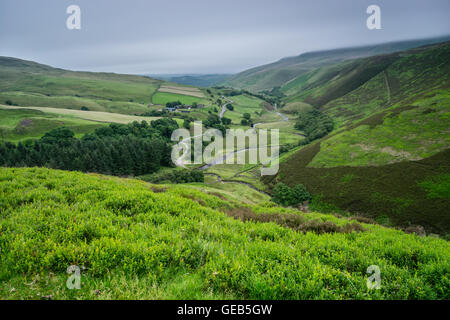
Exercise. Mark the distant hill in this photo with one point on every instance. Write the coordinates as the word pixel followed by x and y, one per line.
pixel 27 83
pixel 281 72
pixel 198 80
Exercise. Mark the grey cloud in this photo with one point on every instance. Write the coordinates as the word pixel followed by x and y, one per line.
pixel 202 36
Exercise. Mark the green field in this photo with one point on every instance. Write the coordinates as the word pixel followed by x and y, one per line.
pixel 26 83
pixel 87 115
pixel 70 102
pixel 288 134
pixel 20 124
pixel 162 98
pixel 133 240
pixel 266 119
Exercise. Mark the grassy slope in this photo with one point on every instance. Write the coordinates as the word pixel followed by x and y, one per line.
pixel 21 123
pixel 207 80
pixel 405 111
pixel 379 127
pixel 17 124
pixel 281 72
pixel 162 98
pixel 326 84
pixel 140 241
pixel 61 94
pixel 392 194
pixel 412 132
pixel 245 104
pixel 415 72
pixel 27 83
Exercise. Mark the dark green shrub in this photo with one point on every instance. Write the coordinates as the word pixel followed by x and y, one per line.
pixel 300 193
pixel 178 176
pixel 282 194
pixel 286 196
pixel 314 124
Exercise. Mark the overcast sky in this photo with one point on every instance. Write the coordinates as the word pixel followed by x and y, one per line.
pixel 202 36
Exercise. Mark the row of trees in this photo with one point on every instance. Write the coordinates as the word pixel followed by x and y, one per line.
pixel 133 149
pixel 173 104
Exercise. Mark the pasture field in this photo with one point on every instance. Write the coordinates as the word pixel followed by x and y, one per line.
pixel 265 116
pixel 288 133
pixel 162 98
pixel 27 99
pixel 21 124
pixel 133 240
pixel 188 91
pixel 247 104
pixel 30 84
pixel 87 115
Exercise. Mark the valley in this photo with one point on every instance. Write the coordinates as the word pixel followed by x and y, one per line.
pixel 87 179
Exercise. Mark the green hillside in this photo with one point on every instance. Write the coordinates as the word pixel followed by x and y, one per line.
pixel 19 124
pixel 391 115
pixel 198 80
pixel 161 98
pixel 365 130
pixel 133 240
pixel 413 130
pixel 412 75
pixel 27 83
pixel 323 85
pixel 35 98
pixel 288 69
pixel 401 113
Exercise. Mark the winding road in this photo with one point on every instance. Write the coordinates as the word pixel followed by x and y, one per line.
pixel 224 107
pixel 285 118
pixel 186 142
pixel 224 157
